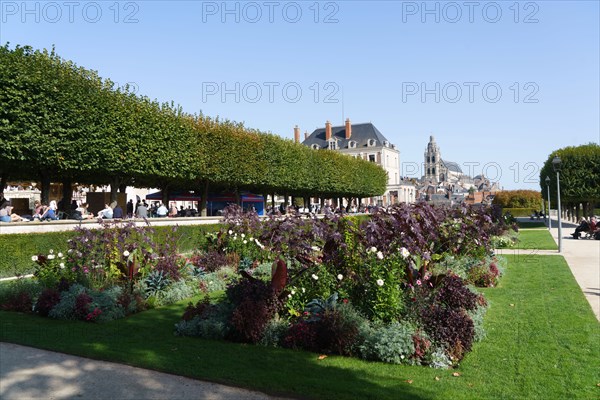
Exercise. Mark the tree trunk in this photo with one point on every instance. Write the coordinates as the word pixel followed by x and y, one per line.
pixel 45 196
pixel 203 200
pixel 3 181
pixel 273 201
pixel 67 194
pixel 165 195
pixel 114 188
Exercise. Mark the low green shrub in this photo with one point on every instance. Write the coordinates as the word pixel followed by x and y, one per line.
pixel 391 343
pixel 16 250
pixel 520 212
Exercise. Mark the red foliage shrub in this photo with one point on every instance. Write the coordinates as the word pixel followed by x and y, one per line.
pixel 301 335
pixel 20 302
pixel 82 305
pixel 47 300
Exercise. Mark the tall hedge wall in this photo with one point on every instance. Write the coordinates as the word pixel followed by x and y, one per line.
pixel 60 121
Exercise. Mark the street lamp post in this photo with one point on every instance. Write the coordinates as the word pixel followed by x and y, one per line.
pixel 556 164
pixel 548 186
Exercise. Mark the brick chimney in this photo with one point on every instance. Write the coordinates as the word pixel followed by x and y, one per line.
pixel 348 128
pixel 296 134
pixel 305 135
pixel 327 130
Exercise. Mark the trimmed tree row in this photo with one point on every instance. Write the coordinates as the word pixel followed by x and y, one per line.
pixel 62 122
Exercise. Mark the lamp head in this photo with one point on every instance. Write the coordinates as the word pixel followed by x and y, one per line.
pixel 556 162
pixel 547 180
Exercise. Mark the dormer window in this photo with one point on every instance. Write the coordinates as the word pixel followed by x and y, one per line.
pixel 332 145
pixel 352 144
pixel 386 143
pixel 371 143
pixel 315 146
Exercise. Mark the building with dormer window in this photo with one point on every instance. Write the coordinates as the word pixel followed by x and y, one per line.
pixel 367 142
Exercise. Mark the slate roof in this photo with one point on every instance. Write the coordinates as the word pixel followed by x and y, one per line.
pixel 361 133
pixel 452 166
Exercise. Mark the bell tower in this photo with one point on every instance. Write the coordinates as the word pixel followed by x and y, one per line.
pixel 433 161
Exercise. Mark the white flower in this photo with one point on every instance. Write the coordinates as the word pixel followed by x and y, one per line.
pixel 315 248
pixel 51 251
pixel 51 256
pixel 60 255
pixel 373 249
pixel 243 236
pixel 402 356
pixel 380 255
pixel 235 238
pixel 250 239
pixel 303 290
pixel 230 232
pixel 289 296
pixel 315 277
pixel 125 253
pixel 293 292
pixel 379 282
pixel 34 258
pixel 62 265
pixel 404 252
pixel 245 241
pixel 340 277
pixel 69 251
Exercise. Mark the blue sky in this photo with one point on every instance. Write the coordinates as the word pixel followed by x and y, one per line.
pixel 499 84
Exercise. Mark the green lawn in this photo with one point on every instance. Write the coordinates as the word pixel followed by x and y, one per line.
pixel 543 343
pixel 535 239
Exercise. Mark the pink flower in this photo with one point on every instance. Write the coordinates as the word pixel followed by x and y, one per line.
pixel 419 282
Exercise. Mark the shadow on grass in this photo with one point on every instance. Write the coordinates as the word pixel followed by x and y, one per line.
pixel 146 340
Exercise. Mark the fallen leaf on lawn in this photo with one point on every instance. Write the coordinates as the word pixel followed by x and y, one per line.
pixel 512 305
pixel 470 385
pixel 409 381
pixel 437 378
pixel 456 374
pixel 322 356
pixel 598 385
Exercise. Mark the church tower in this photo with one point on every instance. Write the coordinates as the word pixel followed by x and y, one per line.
pixel 433 161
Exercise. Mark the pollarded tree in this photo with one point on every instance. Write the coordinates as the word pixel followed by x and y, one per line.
pixel 579 176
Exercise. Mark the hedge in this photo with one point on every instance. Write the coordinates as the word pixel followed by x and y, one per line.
pixel 520 212
pixel 16 249
pixel 91 132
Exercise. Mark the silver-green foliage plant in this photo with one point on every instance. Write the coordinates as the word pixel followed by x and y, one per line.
pixel 391 343
pixel 274 332
pixel 211 325
pixel 65 309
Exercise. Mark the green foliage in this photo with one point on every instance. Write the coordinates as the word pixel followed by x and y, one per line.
pixel 16 250
pixel 579 175
pixel 518 199
pixel 90 131
pixel 274 332
pixel 392 343
pixel 521 212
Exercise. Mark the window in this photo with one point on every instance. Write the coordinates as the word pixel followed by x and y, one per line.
pixel 315 146
pixel 433 159
pixel 372 157
pixel 352 144
pixel 371 142
pixel 332 145
pixel 386 143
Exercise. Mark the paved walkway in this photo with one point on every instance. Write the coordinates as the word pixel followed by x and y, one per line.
pixel 583 257
pixel 28 373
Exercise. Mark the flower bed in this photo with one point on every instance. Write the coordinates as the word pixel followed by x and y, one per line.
pixel 397 288
pixel 105 274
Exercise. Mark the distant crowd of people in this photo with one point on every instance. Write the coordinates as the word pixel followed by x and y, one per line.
pixel 79 211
